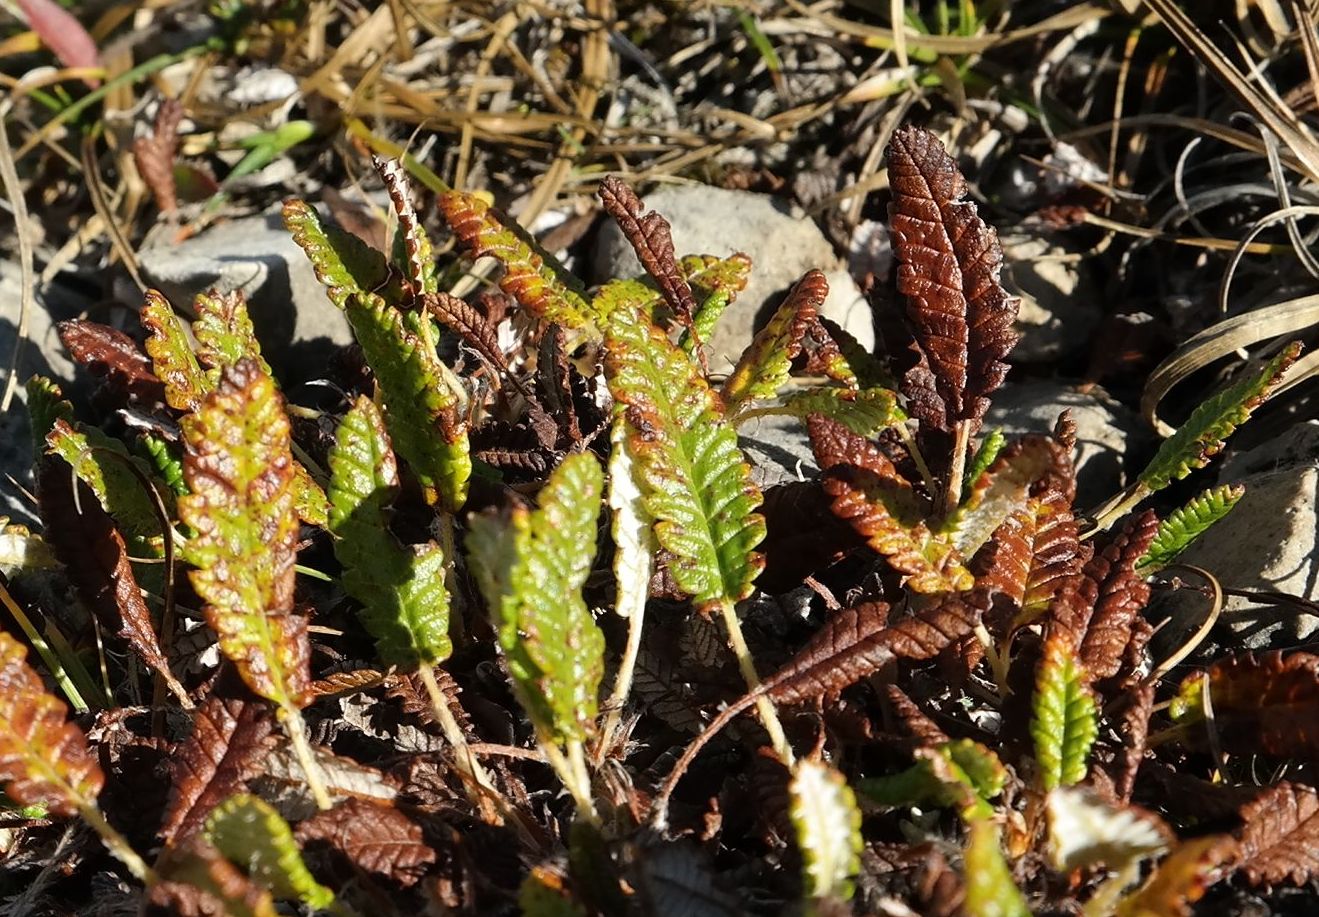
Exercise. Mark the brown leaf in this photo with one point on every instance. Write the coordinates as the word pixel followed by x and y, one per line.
pixel 1122 594
pixel 199 882
pixel 857 642
pixel 229 739
pixel 114 356
pixel 467 322
pixel 375 837
pixel 409 227
pixel 948 268
pixel 1267 704
pixel 155 154
pixel 1133 727
pixel 834 444
pixel 912 719
pixel 1279 837
pixel 44 759
pixel 802 535
pixel 652 240
pixel 84 538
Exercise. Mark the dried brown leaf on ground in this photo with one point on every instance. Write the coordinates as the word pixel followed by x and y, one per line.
pixel 230 737
pixel 465 320
pixel 1267 704
pixel 154 154
pixel 652 239
pixel 114 356
pixel 1279 837
pixel 96 559
pixel 948 269
pixel 375 837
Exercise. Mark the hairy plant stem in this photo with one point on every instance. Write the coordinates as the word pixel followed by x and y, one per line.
pixel 764 706
pixel 622 684
pixel 910 442
pixel 116 843
pixel 449 550
pixel 480 789
pixel 297 733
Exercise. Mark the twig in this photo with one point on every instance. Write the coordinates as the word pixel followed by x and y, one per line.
pixel 481 791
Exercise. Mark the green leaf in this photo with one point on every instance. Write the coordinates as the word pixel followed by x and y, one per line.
pixel 171 355
pixel 989 449
pixel 764 366
pixel 224 333
pixel 344 264
pixel 166 460
pixel 865 411
pixel 531 570
pixel 531 275
pixel 1203 434
pixel 850 363
pixel 990 891
pixel 943 776
pixel 240 473
pixel 106 466
pixel 249 832
pixel 635 299
pixel 716 283
pixel 698 487
pixel 1065 719
pixel 1188 523
pixel 824 812
pixel 422 409
pixel 45 405
pixel 405 605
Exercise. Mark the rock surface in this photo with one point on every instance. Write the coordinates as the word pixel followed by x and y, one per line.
pixel 778 449
pixel 1112 443
pixel 1059 307
pixel 783 246
pixel 295 321
pixel 1268 541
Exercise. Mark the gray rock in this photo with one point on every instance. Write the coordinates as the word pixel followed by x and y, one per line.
pixel 295 321
pixel 1267 543
pixel 1106 432
pixel 43 354
pixel 783 246
pixel 778 449
pixel 1059 308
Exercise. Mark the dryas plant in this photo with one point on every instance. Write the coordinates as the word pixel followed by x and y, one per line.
pixel 977 552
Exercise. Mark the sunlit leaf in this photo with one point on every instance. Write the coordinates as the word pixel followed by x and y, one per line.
pixel 105 466
pixel 828 823
pixel 863 411
pixel 764 366
pixel 531 569
pixel 1180 880
pixel 249 832
pixel 698 485
pixel 1064 721
pixel 1188 523
pixel 171 355
pixel 405 605
pixel 1086 830
pixel 224 331
pixel 990 891
pixel 344 264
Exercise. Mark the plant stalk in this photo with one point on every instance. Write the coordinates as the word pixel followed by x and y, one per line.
pixel 573 776
pixel 952 492
pixel 480 789
pixel 622 684
pixel 768 716
pixel 117 844
pixel 297 733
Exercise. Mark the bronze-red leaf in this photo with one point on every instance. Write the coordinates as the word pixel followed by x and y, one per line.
pixel 652 239
pixel 1279 840
pixel 109 353
pixel 375 837
pixel 948 269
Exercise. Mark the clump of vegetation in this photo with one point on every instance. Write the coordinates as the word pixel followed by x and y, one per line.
pixel 491 600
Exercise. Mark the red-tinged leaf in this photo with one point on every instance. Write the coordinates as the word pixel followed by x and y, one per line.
pixel 857 642
pixel 155 153
pixel 60 31
pixel 224 331
pixel 531 276
pixel 1133 727
pixel 114 356
pixel 412 238
pixel 1267 704
pixel 239 470
pixel 948 268
pixel 651 238
pixel 834 444
pixel 199 882
pixel 230 738
pixel 174 363
pixel 1279 837
pixel 763 368
pixel 95 557
pixel 1120 594
pixel 44 759
pixel 1180 880
pixel 375 837
pixel 467 322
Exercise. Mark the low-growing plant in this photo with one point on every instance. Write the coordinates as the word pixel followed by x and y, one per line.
pixel 451 509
